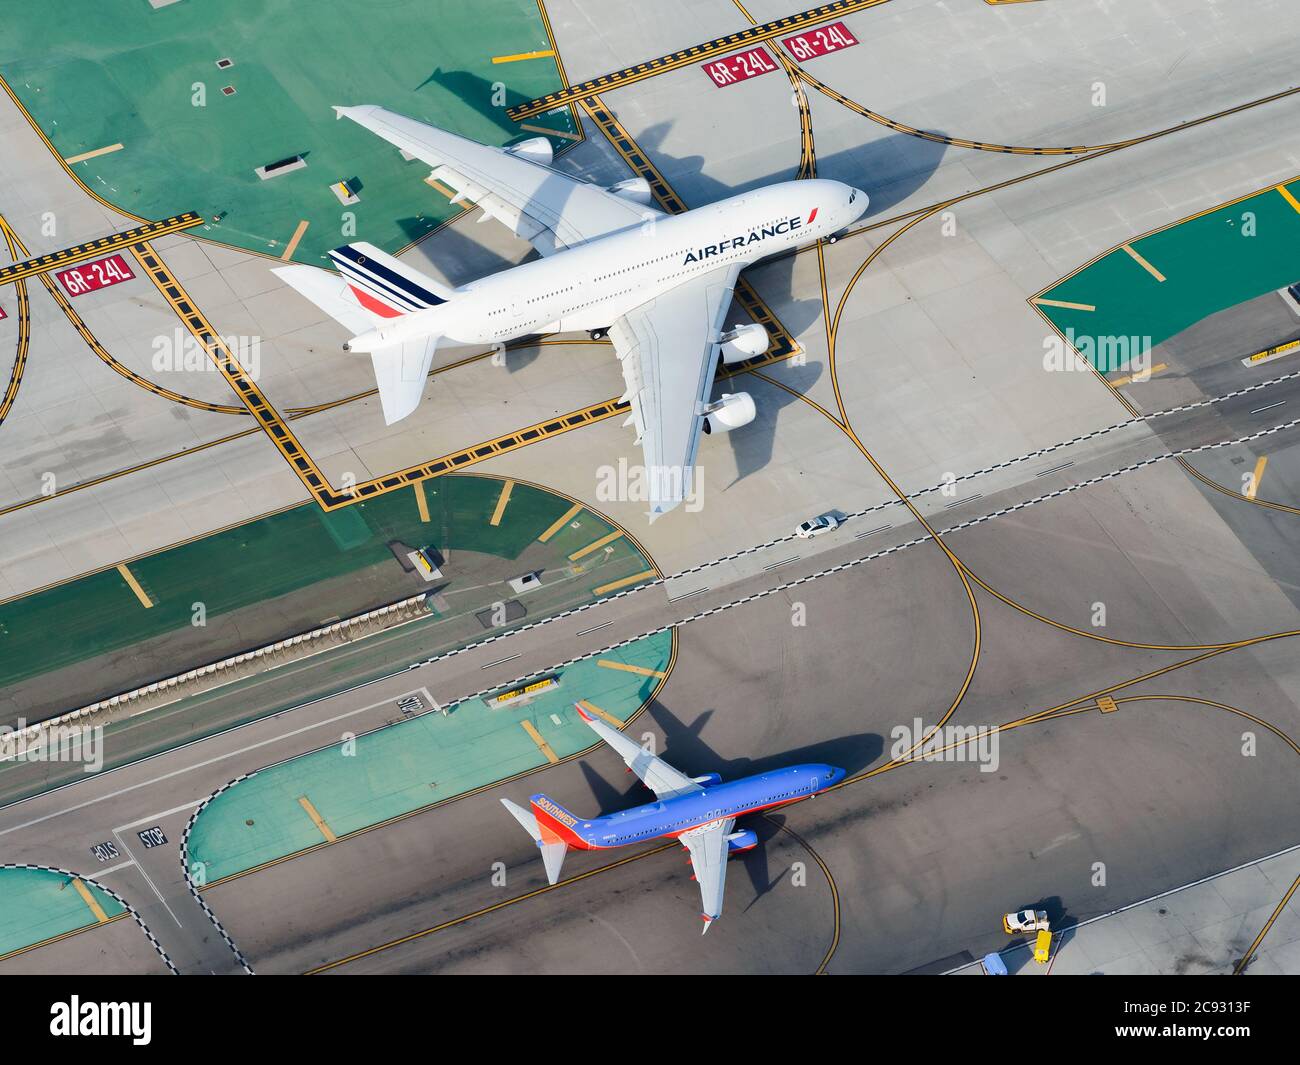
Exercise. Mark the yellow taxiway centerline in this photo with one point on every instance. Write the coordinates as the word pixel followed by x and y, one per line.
pixel 421 501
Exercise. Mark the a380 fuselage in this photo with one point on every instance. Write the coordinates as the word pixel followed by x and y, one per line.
pixel 591 286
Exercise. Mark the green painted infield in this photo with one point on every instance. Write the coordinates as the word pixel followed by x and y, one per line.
pixel 411 764
pixel 96 74
pixel 1210 262
pixel 273 556
pixel 36 905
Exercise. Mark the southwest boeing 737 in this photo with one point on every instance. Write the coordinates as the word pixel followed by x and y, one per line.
pixel 612 264
pixel 698 812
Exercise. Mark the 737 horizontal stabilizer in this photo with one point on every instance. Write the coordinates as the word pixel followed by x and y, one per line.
pixel 552 852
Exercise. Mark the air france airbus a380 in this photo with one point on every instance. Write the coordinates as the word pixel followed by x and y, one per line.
pixel 699 812
pixel 611 264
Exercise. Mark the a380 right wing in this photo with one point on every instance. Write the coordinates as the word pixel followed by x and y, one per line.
pixel 655 773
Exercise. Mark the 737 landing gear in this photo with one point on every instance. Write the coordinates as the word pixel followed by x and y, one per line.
pixel 598 334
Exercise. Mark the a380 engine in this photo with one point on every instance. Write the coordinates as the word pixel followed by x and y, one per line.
pixel 743 342
pixel 635 189
pixel 743 840
pixel 733 411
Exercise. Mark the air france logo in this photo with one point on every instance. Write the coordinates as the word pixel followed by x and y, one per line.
pixel 788 225
pixel 75 1017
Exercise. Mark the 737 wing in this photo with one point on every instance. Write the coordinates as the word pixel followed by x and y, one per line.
pixel 655 773
pixel 548 209
pixel 668 349
pixel 708 847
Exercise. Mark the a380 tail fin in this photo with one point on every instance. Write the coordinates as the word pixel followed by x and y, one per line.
pixel 553 849
pixel 372 288
pixel 371 291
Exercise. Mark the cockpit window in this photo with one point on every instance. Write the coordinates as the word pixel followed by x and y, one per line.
pixel 853 195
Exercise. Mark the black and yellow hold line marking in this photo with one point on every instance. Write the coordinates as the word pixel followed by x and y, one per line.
pixel 688 56
pixel 102 353
pixel 24 317
pixel 92 249
pixel 267 417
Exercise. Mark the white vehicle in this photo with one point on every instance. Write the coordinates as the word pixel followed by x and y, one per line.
pixel 611 263
pixel 818 525
pixel 1025 921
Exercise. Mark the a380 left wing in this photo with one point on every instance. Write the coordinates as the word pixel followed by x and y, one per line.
pixel 548 209
pixel 655 773
pixel 668 349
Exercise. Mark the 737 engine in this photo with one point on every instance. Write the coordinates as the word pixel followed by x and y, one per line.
pixel 744 840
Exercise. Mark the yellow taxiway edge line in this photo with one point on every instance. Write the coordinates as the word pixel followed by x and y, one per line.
pixel 93 155
pixel 561 522
pixel 592 708
pixel 1286 195
pixel 1137 258
pixel 1256 477
pixel 544 53
pixel 502 500
pixel 542 745
pixel 608 664
pixel 561 133
pixel 292 246
pixel 624 582
pixel 595 546
pixel 1128 379
pixel 90 900
pixel 317 820
pixel 1067 306
pixel 140 593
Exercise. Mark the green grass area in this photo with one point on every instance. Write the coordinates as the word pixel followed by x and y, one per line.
pixel 411 764
pixel 273 556
pixel 36 905
pixel 94 74
pixel 1211 262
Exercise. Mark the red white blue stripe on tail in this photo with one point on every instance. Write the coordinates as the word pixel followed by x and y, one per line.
pixel 383 285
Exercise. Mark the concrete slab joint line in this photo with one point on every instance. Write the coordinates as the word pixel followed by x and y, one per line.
pixel 109 892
